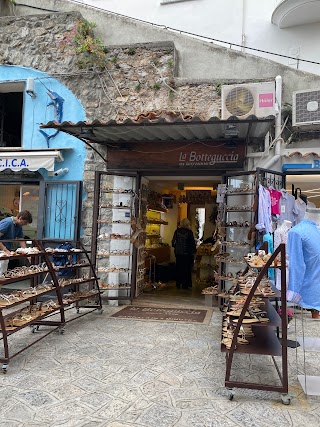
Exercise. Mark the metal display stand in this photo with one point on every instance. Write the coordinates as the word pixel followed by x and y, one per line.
pixel 265 341
pixel 113 228
pixel 34 307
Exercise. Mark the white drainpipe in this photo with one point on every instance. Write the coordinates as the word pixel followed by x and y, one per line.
pixel 278 140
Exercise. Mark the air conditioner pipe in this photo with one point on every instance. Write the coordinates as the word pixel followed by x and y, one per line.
pixel 277 140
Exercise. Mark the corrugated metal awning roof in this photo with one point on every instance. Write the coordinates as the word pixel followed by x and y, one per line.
pixel 302 152
pixel 168 127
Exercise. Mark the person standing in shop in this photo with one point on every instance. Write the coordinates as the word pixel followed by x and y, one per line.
pixel 10 229
pixel 184 249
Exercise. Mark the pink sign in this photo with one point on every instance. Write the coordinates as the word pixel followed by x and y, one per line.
pixel 265 100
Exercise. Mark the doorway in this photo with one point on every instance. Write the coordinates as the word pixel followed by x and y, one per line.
pixel 170 199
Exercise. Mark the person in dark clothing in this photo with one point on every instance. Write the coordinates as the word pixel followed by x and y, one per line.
pixel 184 250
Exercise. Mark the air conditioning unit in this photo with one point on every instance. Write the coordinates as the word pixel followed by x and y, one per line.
pixel 306 109
pixel 244 100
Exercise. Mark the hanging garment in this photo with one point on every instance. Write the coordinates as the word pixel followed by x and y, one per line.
pixel 268 238
pixel 275 197
pixel 304 265
pixel 281 236
pixel 288 208
pixel 264 211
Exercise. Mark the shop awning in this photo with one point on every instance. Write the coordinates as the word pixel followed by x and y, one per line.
pixel 32 160
pixel 170 127
pixel 302 152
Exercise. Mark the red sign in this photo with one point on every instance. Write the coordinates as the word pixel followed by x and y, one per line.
pixel 177 155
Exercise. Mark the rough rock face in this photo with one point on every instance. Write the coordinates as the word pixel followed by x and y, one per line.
pixel 137 79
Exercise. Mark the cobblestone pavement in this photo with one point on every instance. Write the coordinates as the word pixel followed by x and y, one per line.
pixel 122 373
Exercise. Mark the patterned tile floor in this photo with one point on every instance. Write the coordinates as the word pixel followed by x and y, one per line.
pixel 106 372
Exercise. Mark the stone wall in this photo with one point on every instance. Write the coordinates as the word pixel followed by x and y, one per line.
pixel 136 80
pixel 197 59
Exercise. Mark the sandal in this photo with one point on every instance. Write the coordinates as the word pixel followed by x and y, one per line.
pixel 21 319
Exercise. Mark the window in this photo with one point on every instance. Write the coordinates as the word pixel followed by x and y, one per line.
pixel 11 104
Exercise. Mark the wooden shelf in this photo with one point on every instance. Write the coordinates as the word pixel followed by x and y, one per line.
pixel 157 209
pixel 265 342
pixel 157 223
pixel 153 236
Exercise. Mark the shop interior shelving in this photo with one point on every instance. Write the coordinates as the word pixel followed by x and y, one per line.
pixel 153 227
pixel 53 290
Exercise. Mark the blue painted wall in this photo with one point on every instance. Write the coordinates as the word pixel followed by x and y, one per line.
pixel 37 111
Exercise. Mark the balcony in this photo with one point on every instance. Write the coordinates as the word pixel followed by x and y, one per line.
pixel 290 13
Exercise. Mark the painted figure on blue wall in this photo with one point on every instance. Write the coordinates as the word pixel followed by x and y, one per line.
pixel 57 103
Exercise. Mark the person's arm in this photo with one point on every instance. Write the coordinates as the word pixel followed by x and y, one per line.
pixel 3 248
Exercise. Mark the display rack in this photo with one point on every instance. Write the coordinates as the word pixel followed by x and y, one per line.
pixel 114 224
pixel 237 217
pixel 54 289
pixel 265 340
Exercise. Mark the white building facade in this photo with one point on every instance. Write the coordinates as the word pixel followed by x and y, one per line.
pixel 286 31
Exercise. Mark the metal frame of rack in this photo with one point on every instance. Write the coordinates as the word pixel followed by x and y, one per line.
pixel 265 342
pixel 44 318
pixel 97 213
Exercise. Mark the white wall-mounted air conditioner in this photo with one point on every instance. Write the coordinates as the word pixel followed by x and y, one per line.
pixel 306 109
pixel 248 99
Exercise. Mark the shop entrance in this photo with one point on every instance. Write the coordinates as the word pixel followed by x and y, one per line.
pixel 169 200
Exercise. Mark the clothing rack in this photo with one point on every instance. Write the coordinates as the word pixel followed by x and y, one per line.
pixel 296 195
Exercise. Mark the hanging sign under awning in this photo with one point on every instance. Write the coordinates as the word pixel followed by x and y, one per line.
pixel 31 160
pixel 209 155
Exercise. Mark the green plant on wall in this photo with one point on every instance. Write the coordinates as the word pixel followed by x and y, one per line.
pixel 131 51
pixel 218 88
pixel 81 40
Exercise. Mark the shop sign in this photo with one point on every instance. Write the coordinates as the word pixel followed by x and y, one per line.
pixel 13 163
pixel 173 155
pixel 31 162
pixel 298 166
